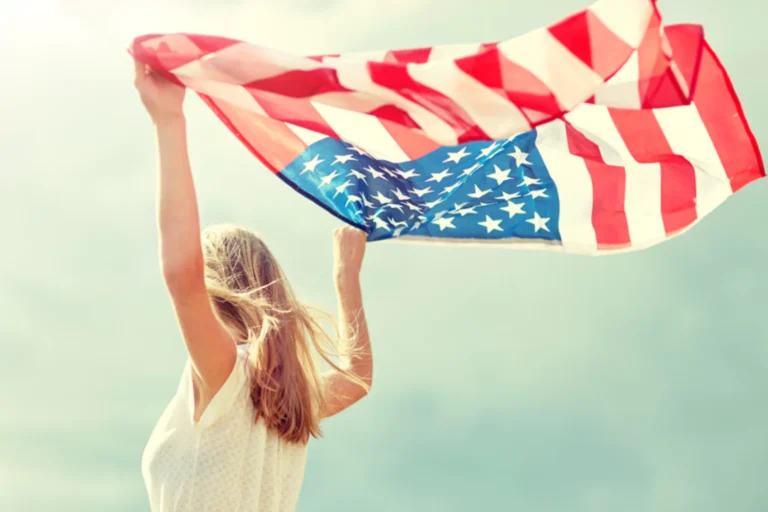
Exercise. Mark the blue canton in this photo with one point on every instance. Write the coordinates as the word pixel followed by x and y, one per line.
pixel 480 190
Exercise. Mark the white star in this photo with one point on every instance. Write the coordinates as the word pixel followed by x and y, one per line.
pixel 375 173
pixel 388 171
pixel 456 157
pixel 466 211
pixel 433 203
pixel 513 208
pixel 358 151
pixel 520 157
pixel 470 170
pixel 396 223
pixel 412 207
pixel 358 175
pixel 421 192
pixel 343 159
pixel 327 179
pixel 527 180
pixel 491 224
pixel 400 196
pixel 312 164
pixel 500 176
pixel 538 222
pixel 341 188
pixel 439 176
pixel 396 206
pixel 381 198
pixel 408 174
pixel 477 194
pixel 537 193
pixel 381 224
pixel 353 199
pixel 487 151
pixel 451 188
pixel 507 197
pixel 444 222
pixel 366 202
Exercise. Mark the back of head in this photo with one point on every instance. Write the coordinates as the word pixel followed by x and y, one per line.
pixel 255 302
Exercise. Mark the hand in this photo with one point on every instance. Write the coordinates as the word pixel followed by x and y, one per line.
pixel 348 251
pixel 162 98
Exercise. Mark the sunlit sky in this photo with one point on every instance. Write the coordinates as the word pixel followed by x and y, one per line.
pixel 505 380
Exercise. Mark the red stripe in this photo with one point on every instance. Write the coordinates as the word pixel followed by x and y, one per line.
pixel 608 185
pixel 603 51
pixel 514 83
pixel 300 83
pixel 724 119
pixel 293 110
pixel 645 140
pixel 394 114
pixel 271 141
pixel 413 56
pixel 320 58
pixel 658 85
pixel 396 78
pixel 165 52
pixel 414 144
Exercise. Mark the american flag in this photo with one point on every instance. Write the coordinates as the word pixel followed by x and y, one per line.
pixel 604 132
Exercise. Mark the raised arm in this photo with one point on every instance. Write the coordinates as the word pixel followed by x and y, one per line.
pixel 211 349
pixel 349 248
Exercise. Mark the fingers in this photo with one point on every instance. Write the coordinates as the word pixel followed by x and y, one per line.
pixel 350 234
pixel 140 71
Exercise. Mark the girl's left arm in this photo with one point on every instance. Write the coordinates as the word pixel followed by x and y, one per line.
pixel 211 349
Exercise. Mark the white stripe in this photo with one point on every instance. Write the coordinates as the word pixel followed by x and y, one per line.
pixel 227 65
pixel 642 205
pixel 687 136
pixel 569 79
pixel 308 136
pixel 574 188
pixel 452 51
pixel 357 101
pixel 628 19
pixel 623 88
pixel 372 56
pixel 642 193
pixel 236 95
pixel 364 131
pixel 496 116
pixel 356 77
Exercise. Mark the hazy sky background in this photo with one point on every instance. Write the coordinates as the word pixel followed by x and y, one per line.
pixel 505 380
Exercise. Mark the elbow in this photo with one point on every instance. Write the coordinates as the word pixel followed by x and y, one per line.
pixel 365 374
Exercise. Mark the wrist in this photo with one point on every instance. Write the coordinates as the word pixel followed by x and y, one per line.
pixel 163 120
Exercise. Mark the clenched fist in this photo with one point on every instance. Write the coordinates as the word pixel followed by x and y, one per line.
pixel 348 251
pixel 162 98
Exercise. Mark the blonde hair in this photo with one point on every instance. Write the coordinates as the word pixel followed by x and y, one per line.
pixel 256 304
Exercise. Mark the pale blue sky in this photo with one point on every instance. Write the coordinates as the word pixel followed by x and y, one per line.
pixel 505 380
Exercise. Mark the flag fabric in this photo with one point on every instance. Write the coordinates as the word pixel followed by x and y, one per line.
pixel 604 132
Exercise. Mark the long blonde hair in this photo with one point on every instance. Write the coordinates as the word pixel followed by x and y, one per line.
pixel 256 304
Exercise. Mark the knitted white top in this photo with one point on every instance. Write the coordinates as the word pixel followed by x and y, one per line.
pixel 225 462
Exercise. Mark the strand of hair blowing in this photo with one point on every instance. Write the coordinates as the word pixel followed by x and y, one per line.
pixel 286 388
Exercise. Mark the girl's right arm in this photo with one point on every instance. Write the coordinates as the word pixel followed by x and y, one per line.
pixel 349 249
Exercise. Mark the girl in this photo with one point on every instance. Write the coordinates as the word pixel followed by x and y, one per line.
pixel 234 436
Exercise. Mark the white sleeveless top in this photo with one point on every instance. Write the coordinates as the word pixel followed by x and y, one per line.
pixel 226 462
